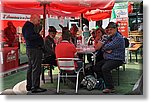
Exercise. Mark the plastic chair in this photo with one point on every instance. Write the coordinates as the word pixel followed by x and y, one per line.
pixel 67 65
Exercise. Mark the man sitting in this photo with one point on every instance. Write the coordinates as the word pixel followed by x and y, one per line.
pixel 65 49
pixel 49 44
pixel 113 48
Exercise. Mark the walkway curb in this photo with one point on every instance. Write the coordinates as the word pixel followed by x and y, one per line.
pixel 19 88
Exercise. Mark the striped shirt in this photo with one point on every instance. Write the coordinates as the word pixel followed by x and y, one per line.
pixel 116 46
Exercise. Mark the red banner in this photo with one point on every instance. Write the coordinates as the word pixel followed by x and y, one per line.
pixel 10 58
pixel 123 26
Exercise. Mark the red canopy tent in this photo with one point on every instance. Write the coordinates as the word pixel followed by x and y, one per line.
pixel 60 8
pixel 98 14
pixel 81 6
pixel 57 7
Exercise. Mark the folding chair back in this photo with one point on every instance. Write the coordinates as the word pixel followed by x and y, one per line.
pixel 67 64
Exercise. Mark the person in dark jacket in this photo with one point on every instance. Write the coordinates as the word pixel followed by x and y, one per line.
pixel 49 44
pixel 34 49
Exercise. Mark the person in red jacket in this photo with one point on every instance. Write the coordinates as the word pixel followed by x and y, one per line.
pixel 65 49
pixel 10 32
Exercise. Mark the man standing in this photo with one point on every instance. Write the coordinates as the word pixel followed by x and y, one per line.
pixel 113 48
pixel 34 47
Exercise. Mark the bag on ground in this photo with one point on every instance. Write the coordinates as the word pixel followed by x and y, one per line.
pixel 90 82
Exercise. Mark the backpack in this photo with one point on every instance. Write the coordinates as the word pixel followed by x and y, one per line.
pixel 126 42
pixel 91 83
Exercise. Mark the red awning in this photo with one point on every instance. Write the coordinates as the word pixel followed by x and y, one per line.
pixel 98 14
pixel 22 7
pixel 58 8
pixel 82 6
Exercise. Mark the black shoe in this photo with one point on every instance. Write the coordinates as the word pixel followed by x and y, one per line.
pixel 36 90
pixel 28 88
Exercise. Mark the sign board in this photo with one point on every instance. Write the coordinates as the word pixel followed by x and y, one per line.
pixel 10 16
pixel 120 13
pixel 11 56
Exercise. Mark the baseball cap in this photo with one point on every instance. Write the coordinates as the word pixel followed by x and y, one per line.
pixel 112 25
pixel 52 29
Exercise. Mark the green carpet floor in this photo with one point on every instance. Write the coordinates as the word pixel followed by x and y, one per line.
pixel 127 78
pixel 9 81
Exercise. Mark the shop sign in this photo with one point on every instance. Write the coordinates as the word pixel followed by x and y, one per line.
pixel 121 15
pixel 11 56
pixel 9 16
